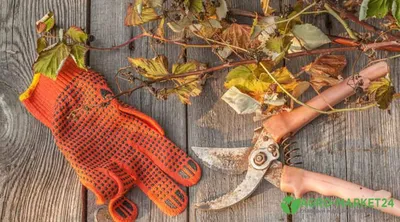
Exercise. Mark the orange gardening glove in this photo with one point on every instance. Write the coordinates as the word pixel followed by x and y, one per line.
pixel 111 146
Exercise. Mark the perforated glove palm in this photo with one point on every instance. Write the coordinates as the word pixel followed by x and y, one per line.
pixel 111 146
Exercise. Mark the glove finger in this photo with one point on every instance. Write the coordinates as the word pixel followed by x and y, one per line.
pixel 164 192
pixel 125 108
pixel 114 169
pixel 167 156
pixel 147 135
pixel 122 209
pixel 101 184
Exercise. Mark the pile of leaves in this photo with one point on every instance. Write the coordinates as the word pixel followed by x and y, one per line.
pixel 257 82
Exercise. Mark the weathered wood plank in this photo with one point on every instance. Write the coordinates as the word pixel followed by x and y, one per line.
pixel 107 25
pixel 372 145
pixel 352 146
pixel 213 123
pixel 318 139
pixel 36 183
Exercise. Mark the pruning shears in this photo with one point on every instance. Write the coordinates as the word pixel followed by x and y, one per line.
pixel 261 161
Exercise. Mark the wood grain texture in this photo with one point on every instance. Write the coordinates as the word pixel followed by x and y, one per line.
pixel 355 146
pixel 213 123
pixel 318 140
pixel 107 25
pixel 36 183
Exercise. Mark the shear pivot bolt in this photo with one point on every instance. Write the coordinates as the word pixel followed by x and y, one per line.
pixel 272 148
pixel 260 159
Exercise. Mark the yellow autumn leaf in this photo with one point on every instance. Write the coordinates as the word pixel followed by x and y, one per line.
pixel 151 68
pixel 189 86
pixel 382 92
pixel 139 13
pixel 266 8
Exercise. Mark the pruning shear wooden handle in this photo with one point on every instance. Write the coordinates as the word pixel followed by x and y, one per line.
pixel 261 160
pixel 300 182
pixel 287 123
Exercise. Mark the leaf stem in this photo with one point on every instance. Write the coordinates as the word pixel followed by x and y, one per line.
pixel 146 34
pixel 311 107
pixel 343 22
pixel 345 14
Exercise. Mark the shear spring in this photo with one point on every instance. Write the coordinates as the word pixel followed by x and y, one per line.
pixel 291 155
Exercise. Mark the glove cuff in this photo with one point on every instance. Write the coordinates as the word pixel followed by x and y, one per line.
pixel 40 97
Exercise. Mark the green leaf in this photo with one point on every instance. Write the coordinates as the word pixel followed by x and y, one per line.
pixel 374 8
pixel 240 102
pixel 151 68
pixel 51 60
pixel 46 23
pixel 310 36
pixel 195 6
pixel 77 34
pixel 250 79
pixel 396 11
pixel 221 10
pixel 139 14
pixel 78 54
pixel 41 44
pixel 382 91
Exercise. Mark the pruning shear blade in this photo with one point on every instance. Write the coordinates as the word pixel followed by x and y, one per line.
pixel 245 189
pixel 229 160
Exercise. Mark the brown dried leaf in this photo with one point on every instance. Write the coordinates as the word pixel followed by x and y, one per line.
pixel 46 23
pixel 326 70
pixel 331 65
pixel 237 35
pixel 319 81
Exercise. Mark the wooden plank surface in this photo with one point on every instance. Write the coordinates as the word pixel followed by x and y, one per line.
pixel 36 183
pixel 213 123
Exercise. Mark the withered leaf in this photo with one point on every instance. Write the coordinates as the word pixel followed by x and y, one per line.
pixel 221 10
pixel 160 28
pixel 264 28
pixel 78 54
pixel 240 102
pixel 139 13
pixel 189 86
pixel 382 91
pixel 253 80
pixel 331 65
pixel 194 6
pixel 237 35
pixel 46 23
pixel 265 7
pixel 41 44
pixel 77 34
pixel 151 68
pixel 250 79
pixel 326 70
pixel 310 36
pixel 206 28
pixel 180 25
pixel 320 81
